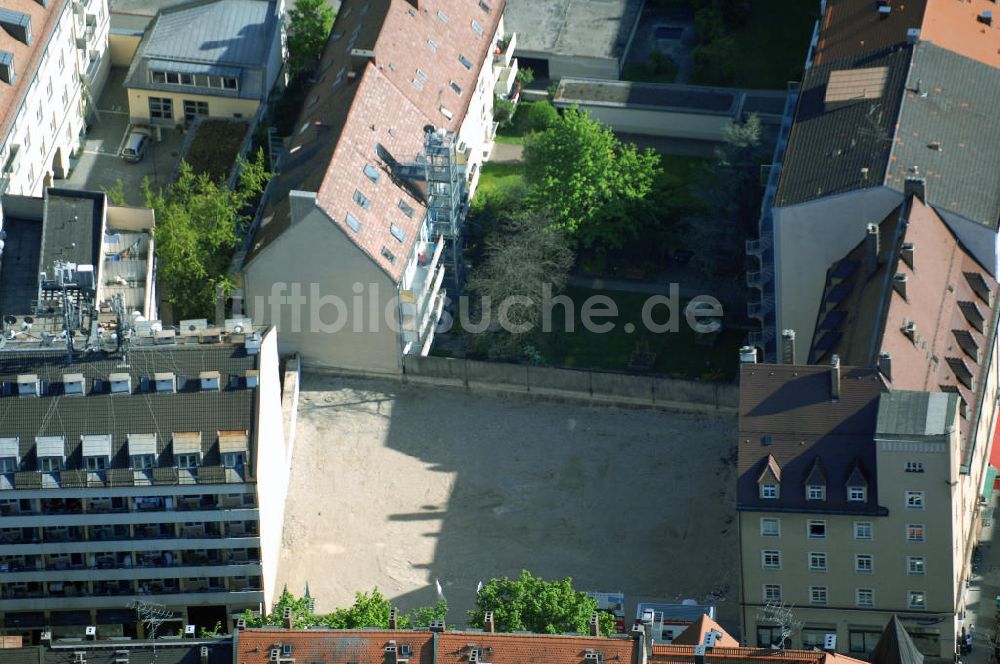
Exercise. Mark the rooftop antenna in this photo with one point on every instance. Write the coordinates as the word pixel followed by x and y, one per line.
pixel 152 615
pixel 777 613
pixel 124 326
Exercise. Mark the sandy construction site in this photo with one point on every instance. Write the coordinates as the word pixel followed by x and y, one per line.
pixel 394 486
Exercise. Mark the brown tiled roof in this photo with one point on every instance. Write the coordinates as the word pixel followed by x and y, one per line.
pixel 694 634
pixel 26 57
pixel 787 414
pixel 454 647
pixel 929 334
pixel 346 116
pixel 253 646
pixel 669 653
pixel 853 27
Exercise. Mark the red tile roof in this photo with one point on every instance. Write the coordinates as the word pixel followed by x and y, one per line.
pixel 253 646
pixel 454 647
pixel 695 633
pixel 668 653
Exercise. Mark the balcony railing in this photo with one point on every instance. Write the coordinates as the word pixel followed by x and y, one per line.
pixel 506 54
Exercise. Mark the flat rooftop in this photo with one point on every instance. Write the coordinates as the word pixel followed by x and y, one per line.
pixel 19 266
pixel 592 28
pixel 74 222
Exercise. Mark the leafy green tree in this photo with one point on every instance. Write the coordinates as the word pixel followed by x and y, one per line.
pixel 198 225
pixel 368 610
pixel 309 25
pixel 541 116
pixel 590 181
pixel 302 615
pixel 529 603
pixel 116 193
pixel 503 111
pixel 525 76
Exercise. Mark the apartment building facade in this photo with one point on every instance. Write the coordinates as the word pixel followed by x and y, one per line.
pixel 855 504
pixel 52 70
pixel 369 206
pixel 151 471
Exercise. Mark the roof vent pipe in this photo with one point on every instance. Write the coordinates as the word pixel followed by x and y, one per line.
pixel 872 249
pixel 885 365
pixel 748 355
pixel 899 284
pixel 835 377
pixel 906 253
pixel 788 347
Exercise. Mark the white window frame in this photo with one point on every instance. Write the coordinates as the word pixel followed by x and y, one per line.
pixel 864 563
pixel 916 565
pixel 191 460
pixel 769 491
pixel 860 526
pixel 96 463
pixel 914 500
pixel 770 521
pixel 857 494
pixel 817 561
pixel 815 492
pixel 770 559
pixel 768 594
pixel 860 594
pixel 914 466
pixel 915 526
pixel 8 465
pixel 819 595
pixel 809 525
pixel 50 464
pixel 914 594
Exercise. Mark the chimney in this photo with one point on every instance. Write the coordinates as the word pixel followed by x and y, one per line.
pixel 915 187
pixel 788 347
pixel 488 624
pixel 885 365
pixel 204 655
pixel 910 330
pixel 699 654
pixel 906 253
pixel 912 35
pixel 220 307
pixel 595 625
pixel 436 626
pixel 286 618
pixel 835 377
pixel 7 74
pixel 393 618
pixel 359 59
pixel 639 635
pixel 871 249
pixel 748 355
pixel 241 624
pixel 899 283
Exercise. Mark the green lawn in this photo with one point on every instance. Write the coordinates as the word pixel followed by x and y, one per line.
pixel 518 128
pixel 677 354
pixel 495 177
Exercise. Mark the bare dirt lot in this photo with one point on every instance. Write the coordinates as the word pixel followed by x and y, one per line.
pixel 396 485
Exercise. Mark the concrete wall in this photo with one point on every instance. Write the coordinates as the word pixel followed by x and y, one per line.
pixel 701 127
pixel 808 238
pixel 272 464
pixel 315 251
pixel 221 107
pixel 668 393
pixel 122 47
pixel 127 218
pixel 576 65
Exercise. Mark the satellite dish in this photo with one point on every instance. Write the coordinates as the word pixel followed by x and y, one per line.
pixel 29 320
pixel 9 320
pixel 238 329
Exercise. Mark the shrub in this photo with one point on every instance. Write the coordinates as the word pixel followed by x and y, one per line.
pixel 541 116
pixel 503 111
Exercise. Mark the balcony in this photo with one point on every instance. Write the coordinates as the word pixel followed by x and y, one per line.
pixel 506 78
pixel 119 532
pixel 155 531
pixel 504 54
pixel 150 504
pixel 757 247
pixel 113 588
pixel 755 279
pixel 62 534
pixel 417 301
pixel 188 503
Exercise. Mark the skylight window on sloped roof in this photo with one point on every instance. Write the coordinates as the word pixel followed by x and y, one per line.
pixel 353 223
pixel 364 10
pixel 361 200
pixel 336 36
pixel 478 28
pixel 388 255
pixel 312 102
pixel 447 113
pixel 432 45
pixel 442 16
pixel 485 7
pixel 347 12
pixel 467 63
pixel 357 31
pixel 407 210
pixel 417 84
pixel 421 74
pixel 303 128
pixel 397 232
pixel 372 172
pixel 456 87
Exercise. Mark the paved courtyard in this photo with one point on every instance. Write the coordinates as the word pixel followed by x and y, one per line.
pixel 395 486
pixel 99 167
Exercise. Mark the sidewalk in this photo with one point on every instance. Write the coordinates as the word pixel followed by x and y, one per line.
pixel 983 589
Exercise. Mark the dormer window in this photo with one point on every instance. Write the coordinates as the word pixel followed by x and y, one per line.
pixel 9 455
pixel 769 491
pixel 252 378
pixel 51 453
pixel 143 461
pixel 209 380
pixel 188 460
pixel 29 385
pixel 816 492
pixel 233 448
pixel 769 480
pixel 857 494
pixel 96 452
pixel 857 486
pixel 187 449
pixel 165 382
pixel 121 383
pixel 74 384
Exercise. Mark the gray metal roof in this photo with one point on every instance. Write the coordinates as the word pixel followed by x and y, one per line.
pixel 949 132
pixel 902 413
pixel 143 411
pixel 140 652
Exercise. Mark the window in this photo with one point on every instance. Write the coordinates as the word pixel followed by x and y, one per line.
pixel 914 467
pixel 388 255
pixel 187 79
pixel 916 599
pixel 817 562
pixel 234 459
pixel 421 75
pixel 447 113
pixel 431 44
pixel 769 491
pixel 173 77
pixel 362 200
pixel 417 84
pixel 864 597
pixel 353 222
pixel 97 463
pixel 161 108
pixel 49 464
pixel 478 28
pixel 862 530
pixel 442 16
pixel 770 527
pixel 467 63
pixel 816 492
pixel 772 592
pixel 485 7
pixel 456 87
pixel 770 559
pixel 864 563
pixel 856 494
pixel 371 173
pixel 862 641
pixel 230 83
pixel 914 532
pixel 407 210
pixel 915 565
pixel 397 232
pixel 915 500
pixel 38 115
pixel 187 460
pixel 193 109
pixel 8 465
pixel 143 461
pixel 816 529
pixel 817 594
